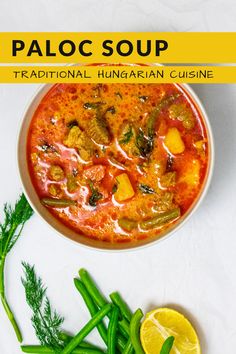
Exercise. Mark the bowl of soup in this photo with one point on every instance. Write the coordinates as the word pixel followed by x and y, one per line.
pixel 115 166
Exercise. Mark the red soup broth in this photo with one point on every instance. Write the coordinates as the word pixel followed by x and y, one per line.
pixel 118 162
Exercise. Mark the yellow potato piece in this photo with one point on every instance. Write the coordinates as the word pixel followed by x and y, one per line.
pixel 191 174
pixel 200 144
pixel 161 323
pixel 174 142
pixel 124 188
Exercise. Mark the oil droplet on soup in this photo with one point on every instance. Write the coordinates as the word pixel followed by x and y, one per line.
pixel 117 162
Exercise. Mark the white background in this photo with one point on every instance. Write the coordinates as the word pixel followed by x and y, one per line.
pixel 195 270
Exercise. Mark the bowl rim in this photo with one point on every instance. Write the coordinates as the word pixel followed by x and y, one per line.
pixel 94 245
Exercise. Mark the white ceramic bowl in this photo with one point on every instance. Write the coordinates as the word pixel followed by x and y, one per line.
pixel 69 233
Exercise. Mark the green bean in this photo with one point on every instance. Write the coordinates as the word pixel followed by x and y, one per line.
pixel 92 289
pixel 38 349
pixel 83 344
pixel 160 219
pixel 66 338
pixel 119 302
pixel 87 345
pixel 128 349
pixel 87 329
pixel 135 331
pixel 92 105
pixel 87 351
pixel 91 307
pixel 101 301
pixel 167 345
pixel 124 327
pixel 157 110
pixel 57 203
pixel 121 341
pixel 112 330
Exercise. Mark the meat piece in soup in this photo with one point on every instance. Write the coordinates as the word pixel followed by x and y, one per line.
pixel 118 162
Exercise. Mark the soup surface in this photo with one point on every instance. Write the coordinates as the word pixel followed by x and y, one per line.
pixel 117 162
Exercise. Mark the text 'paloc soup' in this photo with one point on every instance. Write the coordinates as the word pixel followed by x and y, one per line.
pixel 118 163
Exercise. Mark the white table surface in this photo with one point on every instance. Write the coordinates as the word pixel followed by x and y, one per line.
pixel 195 270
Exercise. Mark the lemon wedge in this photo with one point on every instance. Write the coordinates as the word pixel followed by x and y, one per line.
pixel 161 323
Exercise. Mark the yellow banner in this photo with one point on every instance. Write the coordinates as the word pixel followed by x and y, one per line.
pixel 143 47
pixel 118 74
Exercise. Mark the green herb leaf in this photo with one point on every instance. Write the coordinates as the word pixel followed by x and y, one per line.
pixel 15 218
pixel 127 136
pixel 10 230
pixel 169 163
pixel 34 288
pixel 167 345
pixel 46 322
pixel 45 147
pixel 146 189
pixel 96 195
pixel 114 188
pixel 92 105
pixel 143 98
pixel 144 143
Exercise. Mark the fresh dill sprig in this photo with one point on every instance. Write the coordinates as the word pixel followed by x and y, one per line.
pixel 10 230
pixel 15 218
pixel 47 323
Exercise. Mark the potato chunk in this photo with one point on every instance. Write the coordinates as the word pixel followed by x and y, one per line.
pixel 56 173
pixel 124 188
pixel 191 174
pixel 174 142
pixel 79 140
